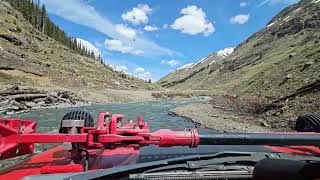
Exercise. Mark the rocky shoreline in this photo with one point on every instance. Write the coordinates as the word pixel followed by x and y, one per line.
pixel 209 117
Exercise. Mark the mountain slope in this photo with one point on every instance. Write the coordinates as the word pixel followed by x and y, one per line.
pixel 275 62
pixel 28 57
pixel 187 71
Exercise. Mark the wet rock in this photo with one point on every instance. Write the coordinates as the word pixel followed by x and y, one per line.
pixel 10 113
pixel 172 114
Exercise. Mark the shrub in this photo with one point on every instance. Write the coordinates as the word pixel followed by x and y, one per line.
pixel 19 30
pixel 257 105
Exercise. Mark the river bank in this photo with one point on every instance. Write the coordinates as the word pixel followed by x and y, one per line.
pixel 209 117
pixel 21 99
pixel 220 115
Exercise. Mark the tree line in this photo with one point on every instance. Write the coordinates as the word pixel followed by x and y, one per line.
pixel 36 14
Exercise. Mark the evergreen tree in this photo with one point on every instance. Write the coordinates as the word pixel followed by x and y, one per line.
pixel 36 14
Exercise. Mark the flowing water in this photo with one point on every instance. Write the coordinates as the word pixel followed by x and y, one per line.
pixel 155 113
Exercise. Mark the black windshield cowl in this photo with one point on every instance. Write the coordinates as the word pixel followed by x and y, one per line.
pixel 231 164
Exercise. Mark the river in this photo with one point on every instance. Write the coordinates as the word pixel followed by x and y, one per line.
pixel 155 113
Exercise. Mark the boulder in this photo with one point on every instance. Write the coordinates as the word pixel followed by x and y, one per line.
pixel 30 104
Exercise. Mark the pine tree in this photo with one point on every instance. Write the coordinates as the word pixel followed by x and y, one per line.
pixel 36 14
pixel 43 18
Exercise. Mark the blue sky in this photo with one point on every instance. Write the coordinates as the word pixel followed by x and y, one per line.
pixel 153 38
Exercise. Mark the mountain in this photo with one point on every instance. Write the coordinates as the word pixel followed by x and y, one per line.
pixel 187 71
pixel 29 57
pixel 279 61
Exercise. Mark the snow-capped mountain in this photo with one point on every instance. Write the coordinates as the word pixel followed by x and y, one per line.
pixel 209 60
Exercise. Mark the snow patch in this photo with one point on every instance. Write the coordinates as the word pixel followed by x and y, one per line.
pixel 187 66
pixel 269 25
pixel 286 18
pixel 222 53
pixel 297 10
pixel 315 1
pixel 225 52
pixel 212 62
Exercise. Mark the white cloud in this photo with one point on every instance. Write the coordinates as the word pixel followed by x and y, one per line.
pixel 144 75
pixel 121 68
pixel 126 31
pixel 244 4
pixel 80 12
pixel 193 22
pixel 171 63
pixel 240 19
pixel 150 28
pixel 88 46
pixel 119 46
pixel 138 15
pixel 139 70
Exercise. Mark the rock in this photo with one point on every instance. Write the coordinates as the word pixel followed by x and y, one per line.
pixel 134 86
pixel 16 108
pixel 271 112
pixel 30 104
pixel 172 114
pixel 289 76
pixel 12 29
pixel 11 39
pixel 306 65
pixel 10 113
pixel 41 103
pixel 263 123
pixel 116 83
pixel 292 54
